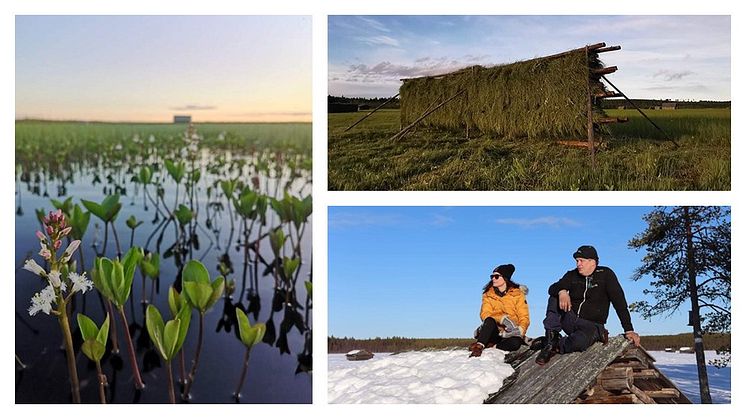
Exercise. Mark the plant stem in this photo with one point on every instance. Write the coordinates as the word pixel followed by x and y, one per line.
pixel 68 340
pixel 237 394
pixel 193 372
pixel 101 383
pixel 113 334
pixel 131 348
pixel 116 240
pixel 171 394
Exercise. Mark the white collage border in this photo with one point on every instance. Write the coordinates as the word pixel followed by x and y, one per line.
pixel 320 10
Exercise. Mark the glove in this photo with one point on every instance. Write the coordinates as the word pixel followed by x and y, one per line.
pixel 510 329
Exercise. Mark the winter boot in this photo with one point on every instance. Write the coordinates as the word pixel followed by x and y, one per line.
pixel 538 343
pixel 476 349
pixel 550 348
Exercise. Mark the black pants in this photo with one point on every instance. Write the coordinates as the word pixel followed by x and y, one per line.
pixel 489 333
pixel 581 333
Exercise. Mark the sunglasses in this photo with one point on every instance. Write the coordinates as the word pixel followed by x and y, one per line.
pixel 493 276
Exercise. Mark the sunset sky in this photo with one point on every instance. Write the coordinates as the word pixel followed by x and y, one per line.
pixel 149 68
pixel 662 57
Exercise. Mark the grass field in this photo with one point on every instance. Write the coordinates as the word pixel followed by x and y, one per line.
pixel 634 156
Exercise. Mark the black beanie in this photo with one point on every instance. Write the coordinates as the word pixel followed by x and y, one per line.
pixel 505 270
pixel 586 252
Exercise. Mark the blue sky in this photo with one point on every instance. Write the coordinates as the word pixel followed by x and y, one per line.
pixel 419 271
pixel 147 68
pixel 676 57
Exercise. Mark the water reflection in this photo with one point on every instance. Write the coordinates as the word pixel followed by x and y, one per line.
pixel 179 219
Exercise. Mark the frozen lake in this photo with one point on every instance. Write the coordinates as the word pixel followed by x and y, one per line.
pixel 453 377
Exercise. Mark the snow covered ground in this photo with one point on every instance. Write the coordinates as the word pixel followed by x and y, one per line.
pixel 452 377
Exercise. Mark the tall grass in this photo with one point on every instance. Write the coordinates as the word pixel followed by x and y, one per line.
pixel 634 157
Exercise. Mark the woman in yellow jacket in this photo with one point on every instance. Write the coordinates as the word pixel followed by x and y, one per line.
pixel 504 313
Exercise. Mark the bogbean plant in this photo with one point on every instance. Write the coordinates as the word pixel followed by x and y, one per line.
pixel 250 336
pixel 201 294
pixel 168 338
pixel 62 283
pixel 113 278
pixel 94 347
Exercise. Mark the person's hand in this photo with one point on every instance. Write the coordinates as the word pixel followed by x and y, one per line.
pixel 633 337
pixel 510 329
pixel 565 304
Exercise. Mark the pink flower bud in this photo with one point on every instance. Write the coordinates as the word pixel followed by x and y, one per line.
pixel 45 253
pixel 66 231
pixel 40 235
pixel 57 244
pixel 50 230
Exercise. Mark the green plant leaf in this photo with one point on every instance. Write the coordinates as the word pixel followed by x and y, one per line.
pixel 175 301
pixel 101 277
pixel 95 209
pixel 118 283
pixel 154 324
pixel 244 328
pixel 218 285
pixel 103 333
pixel 309 289
pixel 277 240
pixel 170 338
pixel 93 349
pixel 88 329
pixel 289 266
pixel 185 318
pixel 79 222
pixel 146 175
pixel 195 271
pixel 183 214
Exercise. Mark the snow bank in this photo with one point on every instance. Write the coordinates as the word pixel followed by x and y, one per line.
pixel 417 377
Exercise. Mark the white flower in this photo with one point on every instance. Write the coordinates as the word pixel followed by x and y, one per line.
pixel 34 267
pixel 42 301
pixel 80 282
pixel 54 279
pixel 69 251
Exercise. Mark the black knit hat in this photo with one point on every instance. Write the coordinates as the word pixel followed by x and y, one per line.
pixel 505 270
pixel 586 252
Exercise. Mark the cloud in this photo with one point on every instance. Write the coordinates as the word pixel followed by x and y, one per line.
pixel 549 221
pixel 192 107
pixel 669 75
pixel 441 220
pixel 425 66
pixel 373 24
pixel 347 219
pixel 260 114
pixel 379 40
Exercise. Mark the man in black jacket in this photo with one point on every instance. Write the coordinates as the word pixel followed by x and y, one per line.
pixel 579 305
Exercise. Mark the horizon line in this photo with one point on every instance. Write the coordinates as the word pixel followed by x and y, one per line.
pixel 155 122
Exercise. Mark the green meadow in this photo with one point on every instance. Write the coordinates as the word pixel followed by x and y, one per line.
pixel 633 156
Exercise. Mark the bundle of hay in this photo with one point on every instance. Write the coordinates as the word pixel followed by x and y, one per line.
pixel 538 98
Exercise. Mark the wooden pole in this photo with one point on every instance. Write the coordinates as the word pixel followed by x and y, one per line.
pixel 425 115
pixel 639 110
pixel 371 112
pixel 589 97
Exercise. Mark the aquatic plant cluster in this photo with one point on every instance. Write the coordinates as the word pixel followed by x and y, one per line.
pixel 195 189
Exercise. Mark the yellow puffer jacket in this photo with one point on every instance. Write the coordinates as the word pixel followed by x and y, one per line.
pixel 512 304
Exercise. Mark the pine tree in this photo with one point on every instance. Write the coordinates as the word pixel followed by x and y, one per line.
pixel 688 257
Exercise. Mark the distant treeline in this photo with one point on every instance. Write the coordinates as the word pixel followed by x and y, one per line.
pixel 655 103
pixel 396 344
pixel 372 103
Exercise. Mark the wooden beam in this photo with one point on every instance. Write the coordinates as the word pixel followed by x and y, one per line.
pixel 645 374
pixel 371 112
pixel 642 395
pixel 608 49
pixel 607 94
pixel 664 393
pixel 620 399
pixel 611 120
pixel 425 115
pixel 605 70
pixel 589 115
